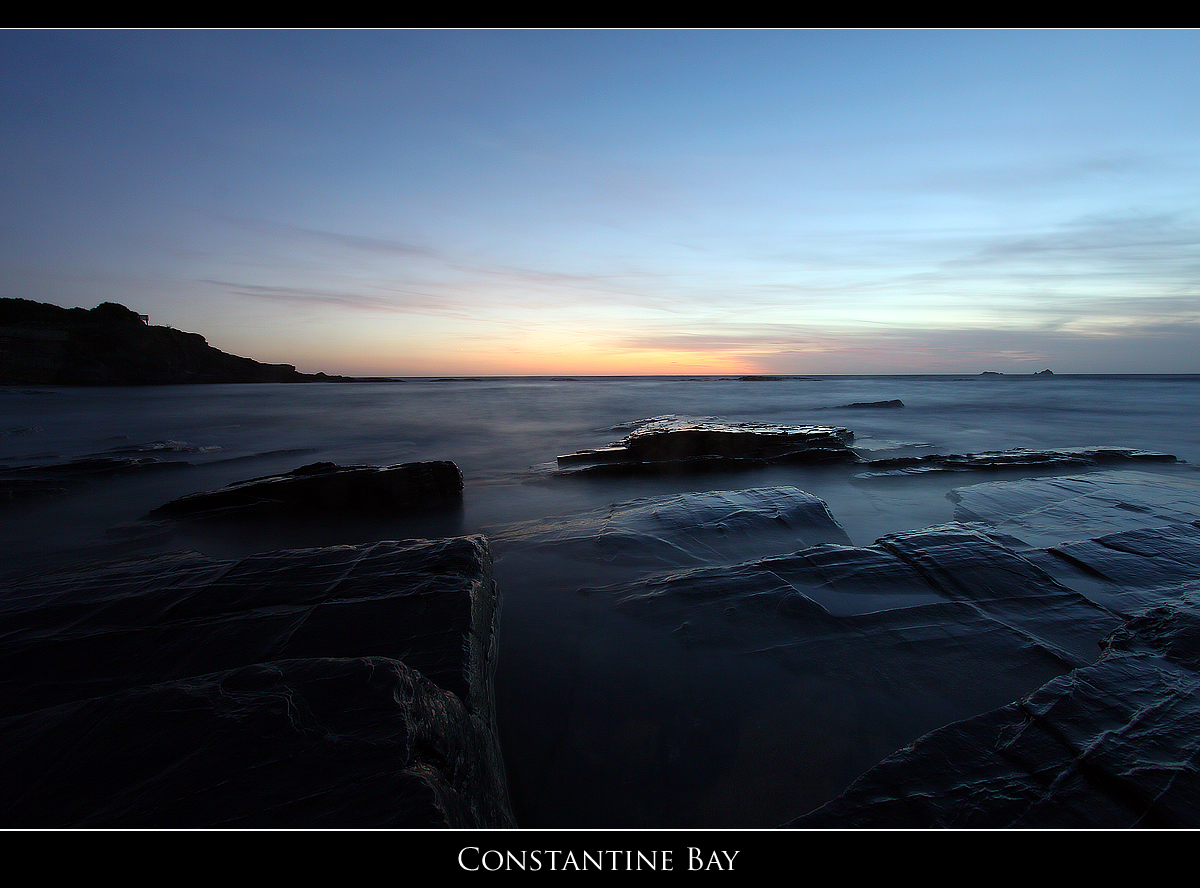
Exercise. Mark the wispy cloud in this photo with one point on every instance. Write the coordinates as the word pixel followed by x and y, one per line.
pixel 1112 239
pixel 365 243
pixel 407 302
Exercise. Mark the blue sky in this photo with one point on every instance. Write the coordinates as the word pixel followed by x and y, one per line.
pixel 435 202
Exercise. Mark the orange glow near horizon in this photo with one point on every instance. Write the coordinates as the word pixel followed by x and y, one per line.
pixel 550 362
pixel 382 352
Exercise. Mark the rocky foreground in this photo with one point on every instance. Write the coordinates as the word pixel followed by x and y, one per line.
pixel 1043 649
pixel 1067 670
pixel 336 687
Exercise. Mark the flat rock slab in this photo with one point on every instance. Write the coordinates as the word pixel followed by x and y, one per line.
pixel 1130 571
pixel 328 489
pixel 1018 459
pixel 685 530
pixel 681 445
pixel 1043 512
pixel 1114 745
pixel 945 611
pixel 194 678
pixel 1143 559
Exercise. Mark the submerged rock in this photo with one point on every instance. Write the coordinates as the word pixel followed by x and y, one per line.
pixel 675 445
pixel 328 489
pixel 337 687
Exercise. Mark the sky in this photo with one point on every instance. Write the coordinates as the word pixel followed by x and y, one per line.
pixel 611 202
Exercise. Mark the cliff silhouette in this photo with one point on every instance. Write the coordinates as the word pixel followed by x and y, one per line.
pixel 42 344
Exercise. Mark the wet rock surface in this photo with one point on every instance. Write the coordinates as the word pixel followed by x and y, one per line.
pixel 685 530
pixel 844 654
pixel 798 651
pixel 774 662
pixel 674 445
pixel 342 686
pixel 1110 744
pixel 1017 459
pixel 946 612
pixel 1045 511
pixel 326 488
pixel 679 445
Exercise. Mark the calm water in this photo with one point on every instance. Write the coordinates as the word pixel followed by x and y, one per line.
pixel 581 694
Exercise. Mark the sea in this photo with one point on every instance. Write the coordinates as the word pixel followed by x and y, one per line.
pixel 594 709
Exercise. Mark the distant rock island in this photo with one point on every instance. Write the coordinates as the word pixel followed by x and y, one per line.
pixel 1046 372
pixel 42 344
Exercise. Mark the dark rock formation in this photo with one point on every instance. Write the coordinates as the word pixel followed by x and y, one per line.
pixel 670 445
pixel 1068 458
pixel 675 445
pixel 934 624
pixel 44 344
pixel 843 655
pixel 895 402
pixel 869 611
pixel 341 687
pixel 327 489
pixel 1111 745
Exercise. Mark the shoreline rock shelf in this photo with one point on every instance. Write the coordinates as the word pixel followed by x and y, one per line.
pixel 1112 745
